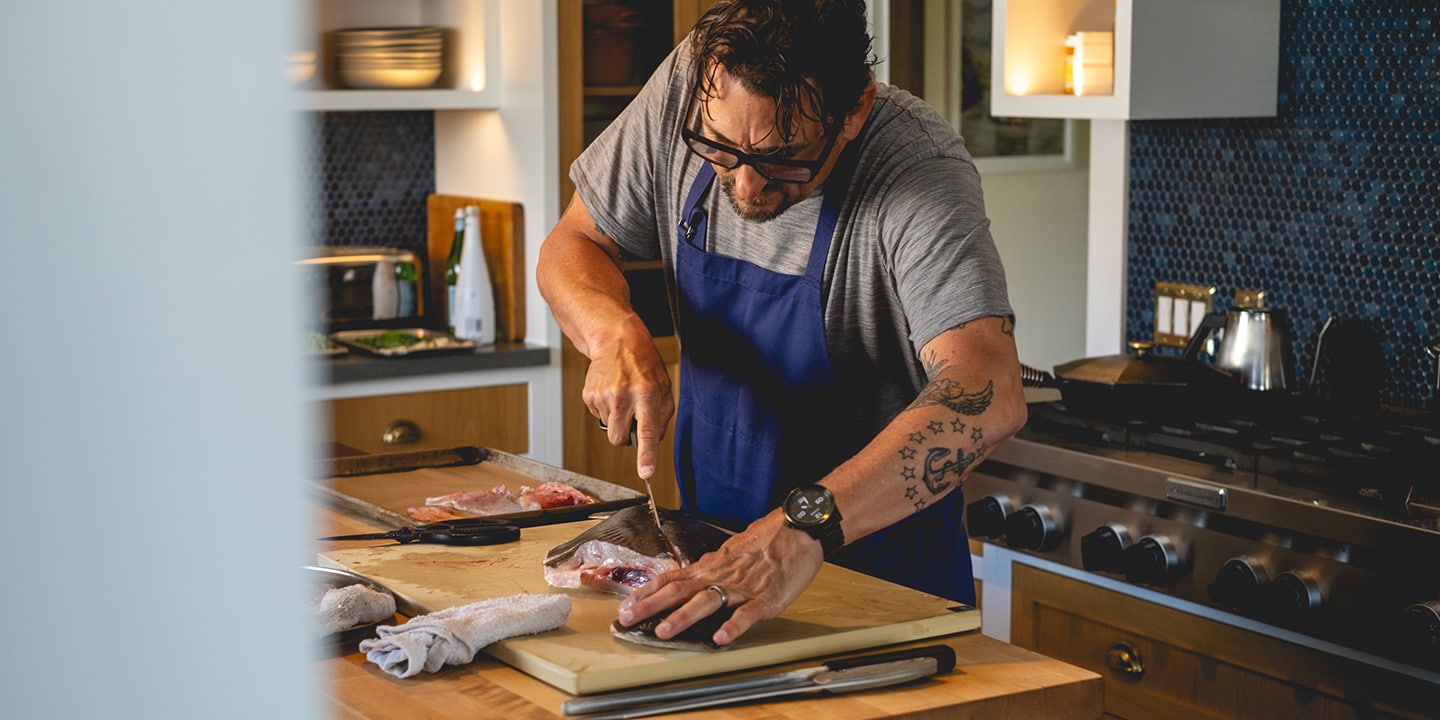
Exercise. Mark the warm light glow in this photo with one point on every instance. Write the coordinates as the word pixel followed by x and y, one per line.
pixel 476 64
pixel 1017 81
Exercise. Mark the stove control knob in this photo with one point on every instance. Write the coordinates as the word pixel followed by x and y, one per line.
pixel 985 518
pixel 1153 560
pixel 1290 597
pixel 1032 527
pixel 1237 583
pixel 1103 550
pixel 1419 633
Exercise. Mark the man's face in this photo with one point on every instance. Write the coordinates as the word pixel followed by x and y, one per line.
pixel 735 117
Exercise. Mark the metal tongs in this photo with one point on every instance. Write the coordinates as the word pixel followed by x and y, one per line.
pixel 470 531
pixel 835 676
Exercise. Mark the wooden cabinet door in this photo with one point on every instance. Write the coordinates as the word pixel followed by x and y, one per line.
pixel 1189 667
pixel 496 417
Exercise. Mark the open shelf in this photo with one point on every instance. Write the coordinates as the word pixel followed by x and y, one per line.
pixel 472 55
pixel 1173 58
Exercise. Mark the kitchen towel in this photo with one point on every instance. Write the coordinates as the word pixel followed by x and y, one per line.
pixel 350 606
pixel 454 635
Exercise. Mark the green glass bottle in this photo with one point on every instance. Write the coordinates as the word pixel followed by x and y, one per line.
pixel 452 268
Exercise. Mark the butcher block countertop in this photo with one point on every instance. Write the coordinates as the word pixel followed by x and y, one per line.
pixel 991 679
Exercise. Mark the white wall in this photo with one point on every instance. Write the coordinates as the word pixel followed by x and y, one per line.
pixel 1038 219
pixel 154 442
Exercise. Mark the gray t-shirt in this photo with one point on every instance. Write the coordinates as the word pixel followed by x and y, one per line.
pixel 912 254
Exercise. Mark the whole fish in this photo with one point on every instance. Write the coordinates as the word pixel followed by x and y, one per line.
pixel 626 551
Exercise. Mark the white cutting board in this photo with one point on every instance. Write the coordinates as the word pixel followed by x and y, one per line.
pixel 841 611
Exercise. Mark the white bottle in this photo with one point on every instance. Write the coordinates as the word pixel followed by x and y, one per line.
pixel 474 296
pixel 384 291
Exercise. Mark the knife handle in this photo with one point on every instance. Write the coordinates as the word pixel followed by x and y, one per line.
pixel 944 658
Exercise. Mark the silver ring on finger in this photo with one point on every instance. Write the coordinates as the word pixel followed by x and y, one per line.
pixel 724 596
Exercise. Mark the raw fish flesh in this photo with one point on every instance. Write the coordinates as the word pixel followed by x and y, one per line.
pixel 626 550
pixel 499 500
pixel 495 501
pixel 428 514
pixel 552 495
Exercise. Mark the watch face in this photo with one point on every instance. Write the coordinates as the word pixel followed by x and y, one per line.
pixel 810 506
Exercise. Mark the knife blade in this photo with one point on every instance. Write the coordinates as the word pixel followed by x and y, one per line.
pixel 650 497
pixel 664 699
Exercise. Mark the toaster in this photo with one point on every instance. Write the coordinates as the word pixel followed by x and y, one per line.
pixel 354 287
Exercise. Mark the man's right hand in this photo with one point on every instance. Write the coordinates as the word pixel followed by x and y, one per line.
pixel 626 381
pixel 580 275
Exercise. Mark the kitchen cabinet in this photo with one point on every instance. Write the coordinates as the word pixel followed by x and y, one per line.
pixel 1161 662
pixel 470 80
pixel 1171 58
pixel 495 416
pixel 586 105
pixel 589 98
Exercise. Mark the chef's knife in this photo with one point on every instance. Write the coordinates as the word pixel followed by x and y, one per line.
pixel 650 497
pixel 839 675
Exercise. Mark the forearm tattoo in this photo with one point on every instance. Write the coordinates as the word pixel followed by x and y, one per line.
pixel 938 456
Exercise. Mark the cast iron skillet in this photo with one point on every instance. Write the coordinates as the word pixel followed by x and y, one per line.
pixel 1140 385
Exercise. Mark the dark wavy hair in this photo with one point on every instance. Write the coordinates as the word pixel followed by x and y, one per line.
pixel 777 48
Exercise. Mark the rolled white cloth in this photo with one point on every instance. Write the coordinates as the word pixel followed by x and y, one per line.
pixel 346 607
pixel 454 635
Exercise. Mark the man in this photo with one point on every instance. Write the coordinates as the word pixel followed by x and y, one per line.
pixel 840 305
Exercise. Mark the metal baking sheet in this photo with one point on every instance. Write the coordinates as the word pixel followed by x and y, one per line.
pixel 382 487
pixel 421 341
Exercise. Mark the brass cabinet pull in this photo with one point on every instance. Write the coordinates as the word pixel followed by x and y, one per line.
pixel 401 432
pixel 1122 657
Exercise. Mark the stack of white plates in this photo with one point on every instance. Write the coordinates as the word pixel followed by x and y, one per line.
pixel 389 57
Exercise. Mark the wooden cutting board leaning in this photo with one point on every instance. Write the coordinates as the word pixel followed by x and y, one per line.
pixel 841 611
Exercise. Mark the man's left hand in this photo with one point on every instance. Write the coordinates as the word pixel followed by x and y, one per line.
pixel 761 570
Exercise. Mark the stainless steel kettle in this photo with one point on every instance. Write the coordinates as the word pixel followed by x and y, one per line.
pixel 1254 342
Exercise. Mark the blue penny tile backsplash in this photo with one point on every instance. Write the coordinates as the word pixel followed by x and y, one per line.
pixel 376 170
pixel 1330 207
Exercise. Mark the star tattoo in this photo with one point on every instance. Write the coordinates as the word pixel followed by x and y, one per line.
pixel 976 434
pixel 917 438
pixel 911 492
pixel 936 427
pixel 957 426
pixel 907 473
pixel 907 453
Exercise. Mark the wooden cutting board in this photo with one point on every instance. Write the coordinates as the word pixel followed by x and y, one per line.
pixel 841 611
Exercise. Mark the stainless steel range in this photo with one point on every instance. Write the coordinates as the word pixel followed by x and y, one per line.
pixel 1291 515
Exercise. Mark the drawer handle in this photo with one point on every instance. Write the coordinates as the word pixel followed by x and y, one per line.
pixel 1122 657
pixel 401 432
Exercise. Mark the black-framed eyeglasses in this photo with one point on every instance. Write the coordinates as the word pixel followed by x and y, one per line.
pixel 786 170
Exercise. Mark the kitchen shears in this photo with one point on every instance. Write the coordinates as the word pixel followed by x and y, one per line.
pixel 470 531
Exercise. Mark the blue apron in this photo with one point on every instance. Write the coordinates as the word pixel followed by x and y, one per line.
pixel 760 411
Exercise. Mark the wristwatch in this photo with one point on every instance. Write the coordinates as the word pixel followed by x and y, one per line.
pixel 811 509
